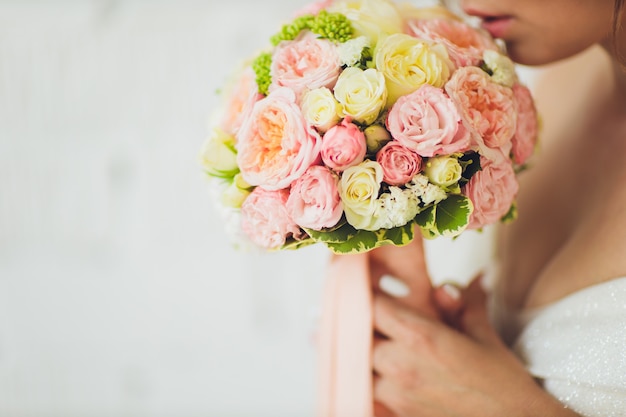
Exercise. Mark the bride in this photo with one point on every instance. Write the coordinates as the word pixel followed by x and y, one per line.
pixel 553 340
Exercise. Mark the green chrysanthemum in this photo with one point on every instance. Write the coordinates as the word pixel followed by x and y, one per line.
pixel 333 26
pixel 261 66
pixel 292 30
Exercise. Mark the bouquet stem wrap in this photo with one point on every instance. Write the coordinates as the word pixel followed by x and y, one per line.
pixel 345 340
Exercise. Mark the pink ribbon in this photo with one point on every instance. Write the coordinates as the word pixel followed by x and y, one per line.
pixel 345 340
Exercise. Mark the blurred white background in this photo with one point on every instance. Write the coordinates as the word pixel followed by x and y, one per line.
pixel 119 294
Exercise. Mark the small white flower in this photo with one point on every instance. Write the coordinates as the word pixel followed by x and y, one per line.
pixel 426 192
pixel 396 208
pixel 350 52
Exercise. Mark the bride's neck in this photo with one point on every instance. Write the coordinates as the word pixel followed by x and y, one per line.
pixel 619 72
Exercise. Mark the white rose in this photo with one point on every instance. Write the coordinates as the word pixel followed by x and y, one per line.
pixel 218 155
pixel 443 170
pixel 361 93
pixel 320 108
pixel 501 67
pixel 358 188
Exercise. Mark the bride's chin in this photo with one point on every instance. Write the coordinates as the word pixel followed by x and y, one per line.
pixel 530 56
pixel 537 53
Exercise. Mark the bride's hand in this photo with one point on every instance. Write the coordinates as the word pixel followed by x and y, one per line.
pixel 408 264
pixel 425 368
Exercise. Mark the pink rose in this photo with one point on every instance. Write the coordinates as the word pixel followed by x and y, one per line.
pixel 314 200
pixel 265 218
pixel 492 191
pixel 343 146
pixel 464 43
pixel 275 144
pixel 427 122
pixel 400 164
pixel 305 63
pixel 527 124
pixel 241 99
pixel 488 108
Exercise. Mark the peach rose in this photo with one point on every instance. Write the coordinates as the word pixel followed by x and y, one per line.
pixel 314 200
pixel 343 146
pixel 428 122
pixel 487 107
pixel 465 44
pixel 304 64
pixel 241 98
pixel 527 130
pixel 265 218
pixel 275 144
pixel 400 164
pixel 492 191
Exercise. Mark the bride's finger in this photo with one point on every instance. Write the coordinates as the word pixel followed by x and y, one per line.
pixel 401 323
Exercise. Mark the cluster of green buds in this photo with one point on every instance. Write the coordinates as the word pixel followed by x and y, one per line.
pixel 332 26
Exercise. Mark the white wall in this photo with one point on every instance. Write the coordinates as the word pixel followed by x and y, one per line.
pixel 119 295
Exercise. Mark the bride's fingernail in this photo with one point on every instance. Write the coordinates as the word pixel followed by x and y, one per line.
pixel 393 286
pixel 452 290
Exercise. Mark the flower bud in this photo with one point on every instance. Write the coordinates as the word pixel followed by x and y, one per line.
pixel 443 171
pixel 376 137
pixel 218 155
pixel 236 192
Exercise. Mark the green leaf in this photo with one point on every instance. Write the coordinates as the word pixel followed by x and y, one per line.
pixel 336 235
pixel 297 244
pixel 452 215
pixel 470 162
pixel 365 240
pixel 426 218
pixel 447 218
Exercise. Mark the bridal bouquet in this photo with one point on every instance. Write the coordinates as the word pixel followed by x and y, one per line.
pixel 364 119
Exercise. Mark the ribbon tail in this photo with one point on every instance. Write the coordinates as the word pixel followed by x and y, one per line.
pixel 345 340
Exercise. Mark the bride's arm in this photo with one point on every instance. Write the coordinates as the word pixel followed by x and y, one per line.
pixel 425 368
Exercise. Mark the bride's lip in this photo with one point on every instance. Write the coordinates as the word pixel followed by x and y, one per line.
pixel 497 26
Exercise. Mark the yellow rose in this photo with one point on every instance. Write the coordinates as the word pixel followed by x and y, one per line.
pixel 410 12
pixel 371 18
pixel 443 171
pixel 320 108
pixel 361 93
pixel 408 63
pixel 218 155
pixel 359 187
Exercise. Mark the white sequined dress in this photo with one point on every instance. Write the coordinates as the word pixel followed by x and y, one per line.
pixel 577 348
